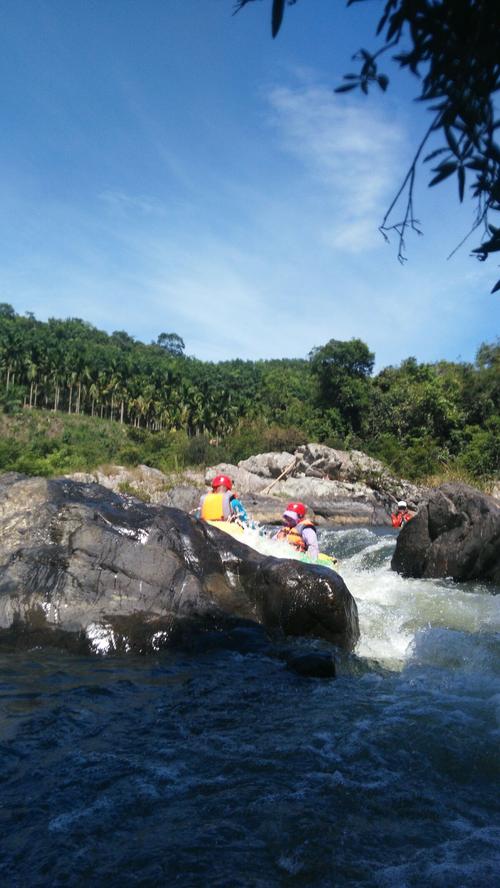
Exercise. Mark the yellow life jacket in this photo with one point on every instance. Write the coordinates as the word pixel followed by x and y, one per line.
pixel 215 507
pixel 293 535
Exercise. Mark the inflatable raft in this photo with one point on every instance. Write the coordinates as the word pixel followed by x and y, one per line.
pixel 265 544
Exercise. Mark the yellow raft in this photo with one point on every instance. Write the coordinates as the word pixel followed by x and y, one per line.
pixel 238 532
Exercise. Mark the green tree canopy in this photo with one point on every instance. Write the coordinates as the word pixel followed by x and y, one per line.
pixel 415 416
pixel 343 370
pixel 172 343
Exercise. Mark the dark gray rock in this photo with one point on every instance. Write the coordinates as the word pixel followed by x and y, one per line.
pixel 312 665
pixel 107 572
pixel 455 533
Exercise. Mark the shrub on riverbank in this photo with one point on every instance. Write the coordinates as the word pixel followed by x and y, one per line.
pixel 37 442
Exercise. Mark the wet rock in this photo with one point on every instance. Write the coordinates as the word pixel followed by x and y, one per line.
pixel 312 665
pixel 455 533
pixel 112 573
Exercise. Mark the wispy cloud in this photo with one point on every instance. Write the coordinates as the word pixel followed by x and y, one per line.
pixel 121 202
pixel 350 149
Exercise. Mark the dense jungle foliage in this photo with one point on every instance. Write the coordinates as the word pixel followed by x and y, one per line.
pixel 73 397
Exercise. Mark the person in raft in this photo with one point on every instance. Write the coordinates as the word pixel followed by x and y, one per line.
pixel 298 531
pixel 222 503
pixel 402 516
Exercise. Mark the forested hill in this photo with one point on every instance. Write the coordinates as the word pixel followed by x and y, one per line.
pixel 417 417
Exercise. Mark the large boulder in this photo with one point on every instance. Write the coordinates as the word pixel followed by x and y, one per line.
pixel 340 487
pixel 267 465
pixel 181 496
pixel 455 533
pixel 329 502
pixel 320 461
pixel 337 501
pixel 94 570
pixel 353 466
pixel 243 480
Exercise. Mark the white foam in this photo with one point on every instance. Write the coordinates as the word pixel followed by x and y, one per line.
pixel 159 639
pixel 140 535
pixel 101 637
pixel 399 616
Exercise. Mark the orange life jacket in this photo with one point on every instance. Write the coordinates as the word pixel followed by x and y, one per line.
pixel 293 535
pixel 216 506
pixel 400 518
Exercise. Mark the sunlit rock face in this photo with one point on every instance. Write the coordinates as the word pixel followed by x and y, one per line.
pixel 455 533
pixel 90 569
pixel 339 487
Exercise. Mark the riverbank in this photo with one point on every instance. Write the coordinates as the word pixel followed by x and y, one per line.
pixel 50 444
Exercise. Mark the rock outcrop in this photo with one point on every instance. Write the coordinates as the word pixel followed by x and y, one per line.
pixel 146 483
pixel 456 533
pixel 94 570
pixel 267 465
pixel 339 487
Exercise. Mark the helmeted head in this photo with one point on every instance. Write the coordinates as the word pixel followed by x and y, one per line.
pixel 402 505
pixel 290 517
pixel 299 508
pixel 222 481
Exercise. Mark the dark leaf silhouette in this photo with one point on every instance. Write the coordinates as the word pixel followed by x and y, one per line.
pixel 461 182
pixel 277 15
pixel 444 170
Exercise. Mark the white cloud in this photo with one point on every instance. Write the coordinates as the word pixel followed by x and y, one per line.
pixel 125 203
pixel 350 149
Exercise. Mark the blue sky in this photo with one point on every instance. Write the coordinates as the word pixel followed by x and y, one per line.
pixel 166 166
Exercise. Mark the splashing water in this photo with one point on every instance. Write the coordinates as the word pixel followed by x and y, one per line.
pixel 394 612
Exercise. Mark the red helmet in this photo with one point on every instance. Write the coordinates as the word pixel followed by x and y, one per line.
pixel 299 508
pixel 222 479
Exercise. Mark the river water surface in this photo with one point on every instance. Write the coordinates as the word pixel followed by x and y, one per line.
pixel 219 767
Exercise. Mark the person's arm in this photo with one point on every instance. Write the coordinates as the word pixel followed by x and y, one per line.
pixel 311 541
pixel 238 509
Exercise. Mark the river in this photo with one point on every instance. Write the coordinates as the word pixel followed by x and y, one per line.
pixel 220 767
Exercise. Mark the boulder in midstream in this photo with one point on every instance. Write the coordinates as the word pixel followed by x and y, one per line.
pixel 455 533
pixel 95 570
